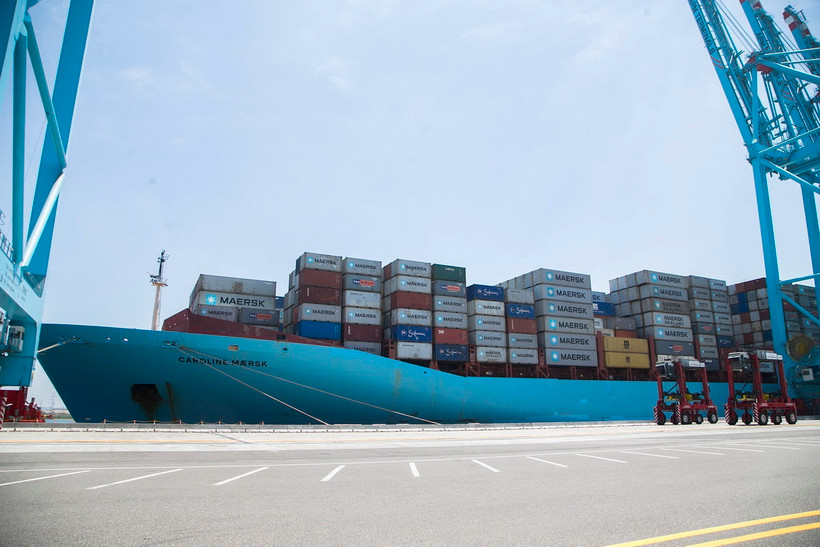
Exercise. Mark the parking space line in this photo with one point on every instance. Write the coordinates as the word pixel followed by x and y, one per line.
pixel 727 448
pixel 332 473
pixel 493 469
pixel 226 481
pixel 600 458
pixel 647 454
pixel 547 461
pixel 414 470
pixel 767 445
pixel 693 451
pixel 134 479
pixel 43 478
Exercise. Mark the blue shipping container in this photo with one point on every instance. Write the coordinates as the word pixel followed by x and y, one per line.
pixel 279 303
pixel 449 288
pixel 485 292
pixel 412 333
pixel 725 342
pixel 604 309
pixel 319 329
pixel 450 352
pixel 742 298
pixel 739 308
pixel 522 311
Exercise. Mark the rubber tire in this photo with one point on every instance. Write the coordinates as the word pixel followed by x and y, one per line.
pixel 674 419
pixel 685 418
pixel 762 418
pixel 791 418
pixel 712 417
pixel 732 419
pixel 747 418
pixel 698 418
pixel 661 418
pixel 777 419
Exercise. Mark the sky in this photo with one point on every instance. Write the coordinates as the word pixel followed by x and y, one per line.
pixel 502 136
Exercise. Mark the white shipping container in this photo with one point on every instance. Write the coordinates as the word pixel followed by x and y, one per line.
pixel 562 340
pixel 455 304
pixel 359 299
pixel 571 357
pixel 699 282
pixel 709 352
pixel 522 356
pixel 318 312
pixel 485 307
pixel 231 300
pixel 407 283
pixel 409 267
pixel 487 354
pixel 217 312
pixel 484 322
pixel 565 309
pixel 362 316
pixel 518 340
pixel 488 338
pixel 702 317
pixel 565 324
pixel 361 266
pixel 519 296
pixel 234 285
pixel 663 292
pixel 414 350
pixel 316 261
pixel 368 347
pixel 648 277
pixel 450 320
pixel 563 294
pixel 406 316
pixel 666 320
pixel 707 340
pixel 558 277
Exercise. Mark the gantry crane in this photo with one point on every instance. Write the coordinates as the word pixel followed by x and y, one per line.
pixel 27 247
pixel 773 95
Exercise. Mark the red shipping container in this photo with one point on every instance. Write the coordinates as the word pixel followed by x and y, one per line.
pixel 411 300
pixel 320 278
pixel 522 326
pixel 361 333
pixel 766 314
pixel 319 295
pixel 745 318
pixel 626 333
pixel 450 336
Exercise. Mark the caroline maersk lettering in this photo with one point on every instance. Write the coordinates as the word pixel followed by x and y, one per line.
pixel 224 362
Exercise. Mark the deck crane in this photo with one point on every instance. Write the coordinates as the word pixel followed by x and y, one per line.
pixel 773 98
pixel 27 245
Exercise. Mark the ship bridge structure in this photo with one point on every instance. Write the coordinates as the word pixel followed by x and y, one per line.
pixel 772 89
pixel 26 241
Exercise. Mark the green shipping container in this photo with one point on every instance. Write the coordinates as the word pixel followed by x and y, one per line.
pixel 449 273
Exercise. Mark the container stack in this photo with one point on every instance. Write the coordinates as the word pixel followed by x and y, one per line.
pixel 751 321
pixel 407 306
pixel 711 318
pixel 625 353
pixel 807 298
pixel 603 314
pixel 486 323
pixel 361 305
pixel 522 329
pixel 449 318
pixel 315 297
pixel 658 302
pixel 248 301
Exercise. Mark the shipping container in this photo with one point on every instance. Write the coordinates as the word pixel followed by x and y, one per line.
pixel 409 316
pixel 234 285
pixel 564 309
pixel 669 334
pixel 661 319
pixel 560 340
pixel 318 278
pixel 449 273
pixel 519 340
pixel 708 352
pixel 662 292
pixel 410 333
pixel 407 283
pixel 361 333
pixel 522 326
pixel 523 356
pixel 485 292
pixel 454 353
pixel 486 322
pixel 407 267
pixel 695 292
pixel 486 354
pixel 603 309
pixel 700 305
pixel 319 329
pixel 232 300
pixel 519 296
pixel 449 288
pixel 488 338
pixel 485 307
pixel 659 304
pixel 522 311
pixel 725 341
pixel 707 340
pixel 359 299
pixel 626 360
pixel 562 294
pixel 450 320
pixel 367 347
pixel 630 345
pixel 362 267
pixel 317 295
pixel 571 357
pixel 315 261
pixel 218 312
pixel 699 282
pixel 414 351
pixel 403 299
pixel 723 319
pixel 263 318
pixel 666 347
pixel 721 307
pixel 703 328
pixel 717 284
pixel 362 316
pixel 565 324
pixel 620 323
pixel 724 330
pixel 318 312
pixel 359 282
pixel 557 277
pixel 702 316
pixel 648 277
pixel 450 303
pixel 457 337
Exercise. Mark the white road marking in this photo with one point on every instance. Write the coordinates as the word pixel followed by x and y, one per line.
pixel 134 479
pixel 600 458
pixel 43 478
pixel 727 448
pixel 546 461
pixel 493 469
pixel 226 481
pixel 647 454
pixel 767 445
pixel 332 473
pixel 414 470
pixel 693 451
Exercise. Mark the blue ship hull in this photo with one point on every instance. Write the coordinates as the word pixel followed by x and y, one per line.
pixel 120 375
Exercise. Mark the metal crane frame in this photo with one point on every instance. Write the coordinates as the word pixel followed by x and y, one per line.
pixel 25 255
pixel 780 126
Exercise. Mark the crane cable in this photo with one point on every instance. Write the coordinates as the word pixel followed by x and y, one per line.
pixel 186 350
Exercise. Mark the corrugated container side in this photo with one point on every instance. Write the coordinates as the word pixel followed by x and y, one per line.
pixel 518 340
pixel 570 357
pixel 666 347
pixel 318 278
pixel 367 347
pixel 522 326
pixel 361 266
pixel 403 299
pixel 450 303
pixel 648 277
pixel 562 294
pixel 451 353
pixel 661 319
pixel 450 320
pixel 603 309
pixel 410 333
pixel 703 328
pixel 629 345
pixel 659 304
pixel 360 282
pixel 318 312
pixel 519 296
pixel 485 307
pixel 316 261
pixel 626 360
pixel 522 311
pixel 235 285
pixel 318 295
pixel 457 337
pixel 361 333
pixel 362 316
pixel 565 324
pixel 669 334
pixel 233 300
pixel 523 356
pixel 414 351
pixel 408 316
pixel 488 338
pixel 486 322
pixel 218 312
pixel 709 352
pixel 485 292
pixel 449 288
pixel 449 273
pixel 407 267
pixel 662 292
pixel 558 277
pixel 266 318
pixel 564 309
pixel 359 299
pixel 699 282
pixel 486 354
pixel 319 329
pixel 560 340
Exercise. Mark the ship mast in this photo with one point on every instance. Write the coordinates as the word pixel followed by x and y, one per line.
pixel 158 281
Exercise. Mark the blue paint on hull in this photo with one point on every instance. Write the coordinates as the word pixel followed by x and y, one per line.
pixel 216 378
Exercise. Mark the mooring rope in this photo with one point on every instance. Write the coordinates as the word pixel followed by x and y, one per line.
pixel 307 387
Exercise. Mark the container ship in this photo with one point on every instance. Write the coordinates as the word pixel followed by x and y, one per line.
pixel 355 342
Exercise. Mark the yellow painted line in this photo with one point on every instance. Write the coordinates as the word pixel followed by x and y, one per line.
pixel 715 529
pixel 759 535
